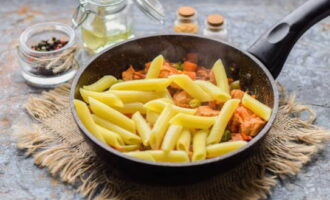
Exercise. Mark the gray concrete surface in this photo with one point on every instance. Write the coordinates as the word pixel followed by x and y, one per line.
pixel 306 72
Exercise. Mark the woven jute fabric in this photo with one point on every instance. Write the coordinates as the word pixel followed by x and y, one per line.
pixel 57 144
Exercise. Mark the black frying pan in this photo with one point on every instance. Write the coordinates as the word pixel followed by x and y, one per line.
pixel 264 60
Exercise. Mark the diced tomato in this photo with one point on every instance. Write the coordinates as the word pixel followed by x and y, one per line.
pixel 189 66
pixel 128 74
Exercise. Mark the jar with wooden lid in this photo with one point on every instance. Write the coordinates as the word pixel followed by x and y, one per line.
pixel 215 27
pixel 186 21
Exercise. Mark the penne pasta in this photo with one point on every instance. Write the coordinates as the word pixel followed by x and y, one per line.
pixel 199 145
pixel 172 156
pixel 142 127
pixel 126 148
pixel 107 98
pixel 184 140
pixel 257 107
pixel 127 136
pixel 151 117
pixel 156 84
pixel 160 127
pixel 130 108
pixel 222 120
pixel 106 112
pixel 86 118
pixel 128 96
pixel 220 149
pixel 217 93
pixel 110 137
pixel 159 104
pixel 144 155
pixel 155 66
pixel 192 121
pixel 220 76
pixel 102 84
pixel 185 82
pixel 171 137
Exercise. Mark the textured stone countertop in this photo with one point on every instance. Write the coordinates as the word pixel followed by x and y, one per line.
pixel 306 72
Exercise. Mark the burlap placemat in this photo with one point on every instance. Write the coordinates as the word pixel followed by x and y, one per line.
pixel 58 145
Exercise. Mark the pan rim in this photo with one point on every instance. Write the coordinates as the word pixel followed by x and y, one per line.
pixel 111 150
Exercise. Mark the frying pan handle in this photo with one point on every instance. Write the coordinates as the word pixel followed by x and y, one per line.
pixel 274 46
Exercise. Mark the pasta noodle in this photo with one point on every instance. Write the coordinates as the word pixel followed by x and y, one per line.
pixel 111 138
pixel 172 156
pixel 184 82
pixel 107 98
pixel 142 127
pixel 158 84
pixel 106 112
pixel 217 93
pixel 144 155
pixel 184 140
pixel 128 96
pixel 257 107
pixel 151 117
pixel 127 136
pixel 130 108
pixel 86 118
pixel 192 121
pixel 159 104
pixel 220 76
pixel 160 127
pixel 102 84
pixel 171 137
pixel 215 150
pixel 222 120
pixel 155 66
pixel 199 145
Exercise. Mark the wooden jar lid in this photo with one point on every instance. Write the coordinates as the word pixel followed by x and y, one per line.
pixel 186 11
pixel 215 20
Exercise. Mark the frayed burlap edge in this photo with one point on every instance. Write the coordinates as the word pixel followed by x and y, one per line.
pixel 290 144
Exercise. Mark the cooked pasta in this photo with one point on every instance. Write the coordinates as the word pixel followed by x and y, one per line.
pixel 155 66
pixel 219 149
pixel 192 121
pixel 158 84
pixel 106 112
pixel 190 87
pixel 172 112
pixel 130 108
pixel 127 136
pixel 199 145
pixel 160 127
pixel 142 127
pixel 86 118
pixel 220 76
pixel 102 84
pixel 107 98
pixel 171 137
pixel 184 140
pixel 257 107
pixel 222 120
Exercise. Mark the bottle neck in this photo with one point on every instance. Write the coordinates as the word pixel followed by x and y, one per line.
pixel 104 7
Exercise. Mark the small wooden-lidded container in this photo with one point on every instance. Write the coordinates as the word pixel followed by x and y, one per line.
pixel 215 27
pixel 186 21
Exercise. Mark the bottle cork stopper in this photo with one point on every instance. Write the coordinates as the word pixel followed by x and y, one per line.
pixel 186 11
pixel 215 20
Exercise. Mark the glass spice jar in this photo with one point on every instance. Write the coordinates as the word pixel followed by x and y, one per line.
pixel 47 54
pixel 186 21
pixel 215 27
